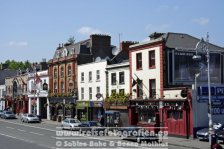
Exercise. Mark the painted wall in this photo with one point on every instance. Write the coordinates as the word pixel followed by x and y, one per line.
pixel 93 67
pixel 2 103
pixel 146 73
pixel 116 68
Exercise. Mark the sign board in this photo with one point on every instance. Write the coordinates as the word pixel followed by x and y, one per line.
pixel 217 110
pixel 98 95
pixel 217 94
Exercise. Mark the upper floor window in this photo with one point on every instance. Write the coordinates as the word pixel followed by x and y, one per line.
pixel 82 77
pixel 55 87
pixel 152 88
pixel 62 87
pixel 121 91
pixel 62 71
pixel 90 76
pixel 55 72
pixel 82 93
pixel 139 60
pixel 113 92
pixel 113 78
pixel 97 89
pixel 69 70
pixel 121 77
pixel 98 75
pixel 151 59
pixel 90 93
pixel 139 89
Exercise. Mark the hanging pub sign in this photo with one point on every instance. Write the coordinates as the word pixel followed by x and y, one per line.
pixel 45 86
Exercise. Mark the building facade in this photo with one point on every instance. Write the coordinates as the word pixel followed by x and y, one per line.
pixel 63 69
pixel 92 90
pixel 38 94
pixel 162 72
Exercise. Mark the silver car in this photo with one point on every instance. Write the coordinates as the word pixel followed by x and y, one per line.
pixel 8 115
pixel 71 123
pixel 29 118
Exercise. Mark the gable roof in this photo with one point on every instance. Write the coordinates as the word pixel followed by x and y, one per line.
pixel 6 73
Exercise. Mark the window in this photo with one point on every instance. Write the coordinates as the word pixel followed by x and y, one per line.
pixel 90 76
pixel 62 71
pixel 98 75
pixel 121 91
pixel 139 89
pixel 151 59
pixel 69 70
pixel 113 92
pixel 152 88
pixel 55 87
pixel 62 87
pixel 90 93
pixel 175 114
pixel 82 93
pixel 82 77
pixel 97 89
pixel 139 60
pixel 121 77
pixel 148 116
pixel 55 73
pixel 113 78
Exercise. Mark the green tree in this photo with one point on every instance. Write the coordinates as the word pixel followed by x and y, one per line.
pixel 71 40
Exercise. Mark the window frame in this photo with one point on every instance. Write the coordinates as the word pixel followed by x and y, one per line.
pixel 151 94
pixel 69 70
pixel 82 93
pixel 120 77
pixel 113 78
pixel 90 76
pixel 82 76
pixel 97 75
pixel 90 93
pixel 152 60
pixel 138 61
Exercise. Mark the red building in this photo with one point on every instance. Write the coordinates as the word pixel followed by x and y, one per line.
pixel 162 72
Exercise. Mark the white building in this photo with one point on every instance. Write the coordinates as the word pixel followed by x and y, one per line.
pixel 91 82
pixel 38 93
pixel 118 78
pixel 2 101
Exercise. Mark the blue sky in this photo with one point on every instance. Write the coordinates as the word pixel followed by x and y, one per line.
pixel 32 29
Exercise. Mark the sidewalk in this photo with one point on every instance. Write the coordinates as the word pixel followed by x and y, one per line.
pixel 189 143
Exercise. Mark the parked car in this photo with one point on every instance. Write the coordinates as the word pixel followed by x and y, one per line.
pixel 1 113
pixel 220 135
pixel 8 115
pixel 29 118
pixel 71 123
pixel 204 135
pixel 91 127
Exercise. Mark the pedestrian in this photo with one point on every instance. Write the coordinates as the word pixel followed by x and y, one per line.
pixel 102 120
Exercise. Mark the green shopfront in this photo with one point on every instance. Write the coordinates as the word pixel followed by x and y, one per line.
pixel 83 110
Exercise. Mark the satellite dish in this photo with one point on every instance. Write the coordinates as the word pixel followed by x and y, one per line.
pixel 115 51
pixel 98 59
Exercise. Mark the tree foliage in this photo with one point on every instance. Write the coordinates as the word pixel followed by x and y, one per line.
pixel 15 65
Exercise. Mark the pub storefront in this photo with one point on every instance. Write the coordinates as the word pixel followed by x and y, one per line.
pixel 144 113
pixel 83 110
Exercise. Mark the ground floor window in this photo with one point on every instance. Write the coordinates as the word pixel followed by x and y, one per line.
pixel 174 114
pixel 147 116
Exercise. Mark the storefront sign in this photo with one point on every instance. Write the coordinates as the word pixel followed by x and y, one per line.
pixel 217 94
pixel 96 104
pixel 218 110
pixel 82 104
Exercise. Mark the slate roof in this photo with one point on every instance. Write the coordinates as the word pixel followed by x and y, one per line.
pixel 6 73
pixel 185 41
pixel 122 56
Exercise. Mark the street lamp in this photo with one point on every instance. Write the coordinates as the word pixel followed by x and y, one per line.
pixel 203 47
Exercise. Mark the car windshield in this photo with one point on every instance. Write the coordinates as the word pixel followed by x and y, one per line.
pixel 31 115
pixel 8 112
pixel 74 121
pixel 95 124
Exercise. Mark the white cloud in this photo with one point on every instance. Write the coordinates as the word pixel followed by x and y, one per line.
pixel 146 39
pixel 85 30
pixel 18 44
pixel 201 21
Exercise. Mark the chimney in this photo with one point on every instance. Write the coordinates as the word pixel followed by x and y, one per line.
pixel 155 35
pixel 125 45
pixel 59 45
pixel 62 45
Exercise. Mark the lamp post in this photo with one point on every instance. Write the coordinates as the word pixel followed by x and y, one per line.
pixel 202 46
